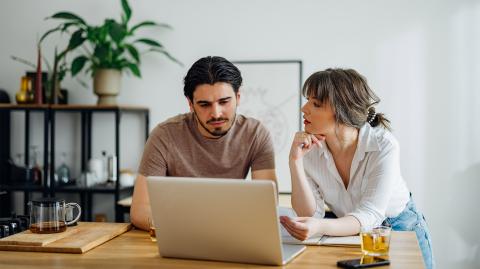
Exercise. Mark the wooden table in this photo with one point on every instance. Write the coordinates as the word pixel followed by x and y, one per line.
pixel 135 250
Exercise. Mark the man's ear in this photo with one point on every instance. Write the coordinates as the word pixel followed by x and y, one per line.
pixel 190 104
pixel 238 98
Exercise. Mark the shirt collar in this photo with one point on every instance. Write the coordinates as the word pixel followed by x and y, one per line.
pixel 367 139
pixel 367 142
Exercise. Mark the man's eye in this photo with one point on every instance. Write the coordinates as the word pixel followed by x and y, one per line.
pixel 316 104
pixel 223 102
pixel 204 105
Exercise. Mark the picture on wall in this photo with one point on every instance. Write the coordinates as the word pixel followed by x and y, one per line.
pixel 271 93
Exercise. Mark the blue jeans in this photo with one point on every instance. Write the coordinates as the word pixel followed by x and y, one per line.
pixel 413 220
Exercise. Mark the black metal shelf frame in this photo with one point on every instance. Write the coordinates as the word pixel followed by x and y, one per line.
pixel 27 189
pixel 48 187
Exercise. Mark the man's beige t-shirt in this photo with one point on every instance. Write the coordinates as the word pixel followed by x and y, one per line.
pixel 176 148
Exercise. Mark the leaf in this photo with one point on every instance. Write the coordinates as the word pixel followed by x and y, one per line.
pixel 149 23
pixel 58 57
pixel 77 64
pixel 117 31
pixel 173 59
pixel 67 25
pixel 101 52
pixel 23 61
pixel 76 40
pixel 49 67
pixel 134 69
pixel 48 33
pixel 83 83
pixel 127 10
pixel 150 42
pixel 134 52
pixel 67 16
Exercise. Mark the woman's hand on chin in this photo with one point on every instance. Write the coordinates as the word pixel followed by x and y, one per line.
pixel 302 143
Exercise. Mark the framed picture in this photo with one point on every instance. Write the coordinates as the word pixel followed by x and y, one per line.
pixel 271 93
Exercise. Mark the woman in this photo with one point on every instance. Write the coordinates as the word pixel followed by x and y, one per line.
pixel 348 159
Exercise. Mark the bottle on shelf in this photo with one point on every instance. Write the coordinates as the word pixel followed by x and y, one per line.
pixel 25 94
pixel 112 169
pixel 105 165
pixel 63 171
pixel 36 171
pixel 19 160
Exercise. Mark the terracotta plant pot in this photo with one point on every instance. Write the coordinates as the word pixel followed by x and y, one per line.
pixel 106 84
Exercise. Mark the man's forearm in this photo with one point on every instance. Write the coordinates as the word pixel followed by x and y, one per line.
pixel 140 216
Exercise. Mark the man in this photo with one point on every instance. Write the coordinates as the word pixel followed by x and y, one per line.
pixel 210 141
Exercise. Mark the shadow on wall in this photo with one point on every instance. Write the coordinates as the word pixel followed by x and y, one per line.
pixel 464 215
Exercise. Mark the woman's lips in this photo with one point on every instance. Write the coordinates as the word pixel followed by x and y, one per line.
pixel 306 122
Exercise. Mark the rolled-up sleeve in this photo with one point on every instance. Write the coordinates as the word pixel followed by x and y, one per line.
pixel 380 181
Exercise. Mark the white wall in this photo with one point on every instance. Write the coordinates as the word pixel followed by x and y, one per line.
pixel 421 57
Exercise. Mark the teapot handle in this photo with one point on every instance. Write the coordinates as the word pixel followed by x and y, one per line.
pixel 79 213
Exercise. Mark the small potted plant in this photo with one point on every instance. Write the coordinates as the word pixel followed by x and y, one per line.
pixel 107 49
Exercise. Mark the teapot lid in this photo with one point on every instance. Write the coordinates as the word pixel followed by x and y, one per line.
pixel 47 201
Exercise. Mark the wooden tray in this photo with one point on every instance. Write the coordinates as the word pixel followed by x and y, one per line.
pixel 77 239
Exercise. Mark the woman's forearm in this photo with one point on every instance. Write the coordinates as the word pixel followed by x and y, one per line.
pixel 303 201
pixel 344 226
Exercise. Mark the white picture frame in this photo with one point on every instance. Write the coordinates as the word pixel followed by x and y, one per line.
pixel 271 93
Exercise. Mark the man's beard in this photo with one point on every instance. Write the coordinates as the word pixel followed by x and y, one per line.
pixel 217 132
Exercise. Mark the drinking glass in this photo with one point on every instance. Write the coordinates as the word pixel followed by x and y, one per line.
pixel 151 230
pixel 375 240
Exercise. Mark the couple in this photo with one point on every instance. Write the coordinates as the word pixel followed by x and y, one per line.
pixel 346 158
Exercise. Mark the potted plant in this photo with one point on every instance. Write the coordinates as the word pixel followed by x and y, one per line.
pixel 107 49
pixel 52 77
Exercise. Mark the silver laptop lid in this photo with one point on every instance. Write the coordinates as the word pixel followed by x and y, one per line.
pixel 216 219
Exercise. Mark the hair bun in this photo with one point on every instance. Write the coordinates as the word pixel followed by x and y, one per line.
pixel 372 114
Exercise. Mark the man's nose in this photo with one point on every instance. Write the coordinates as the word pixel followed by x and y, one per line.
pixel 216 111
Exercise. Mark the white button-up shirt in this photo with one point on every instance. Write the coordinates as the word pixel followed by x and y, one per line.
pixel 376 189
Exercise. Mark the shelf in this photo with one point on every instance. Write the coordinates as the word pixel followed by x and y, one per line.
pixel 73 188
pixel 24 107
pixel 103 188
pixel 87 111
pixel 30 188
pixel 99 108
pixel 77 107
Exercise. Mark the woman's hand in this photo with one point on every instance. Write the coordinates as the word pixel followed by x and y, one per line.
pixel 303 143
pixel 301 228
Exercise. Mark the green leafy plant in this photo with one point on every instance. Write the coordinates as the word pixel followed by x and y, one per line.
pixel 110 45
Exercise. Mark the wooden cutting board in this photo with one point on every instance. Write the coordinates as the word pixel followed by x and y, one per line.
pixel 77 239
pixel 28 238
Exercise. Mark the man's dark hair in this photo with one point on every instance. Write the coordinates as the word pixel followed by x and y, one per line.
pixel 210 70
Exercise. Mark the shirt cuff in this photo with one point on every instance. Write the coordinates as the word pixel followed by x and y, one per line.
pixel 365 220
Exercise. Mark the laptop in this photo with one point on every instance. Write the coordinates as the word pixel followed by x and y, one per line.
pixel 218 219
